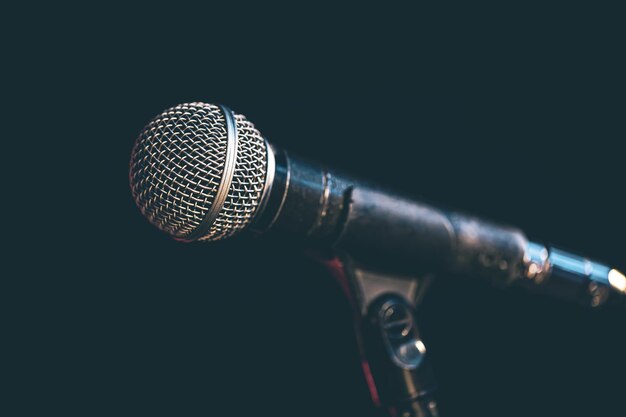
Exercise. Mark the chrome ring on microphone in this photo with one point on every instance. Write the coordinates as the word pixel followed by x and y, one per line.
pixel 227 177
pixel 269 180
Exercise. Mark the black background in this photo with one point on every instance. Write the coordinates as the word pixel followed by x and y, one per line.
pixel 515 114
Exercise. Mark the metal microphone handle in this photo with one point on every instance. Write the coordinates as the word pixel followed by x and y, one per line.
pixel 393 233
pixel 382 229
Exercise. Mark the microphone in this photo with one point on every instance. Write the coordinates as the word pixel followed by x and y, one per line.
pixel 200 172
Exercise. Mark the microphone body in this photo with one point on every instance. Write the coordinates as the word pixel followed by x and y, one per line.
pixel 389 232
pixel 381 229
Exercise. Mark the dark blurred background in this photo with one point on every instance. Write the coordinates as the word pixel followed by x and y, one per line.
pixel 512 113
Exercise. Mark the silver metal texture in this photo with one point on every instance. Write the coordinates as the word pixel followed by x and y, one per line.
pixel 198 171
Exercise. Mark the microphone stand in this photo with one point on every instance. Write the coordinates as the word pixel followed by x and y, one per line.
pixel 394 359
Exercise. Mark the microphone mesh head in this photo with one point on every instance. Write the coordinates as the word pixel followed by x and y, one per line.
pixel 179 169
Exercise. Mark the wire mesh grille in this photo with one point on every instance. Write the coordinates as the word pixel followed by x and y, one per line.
pixel 177 165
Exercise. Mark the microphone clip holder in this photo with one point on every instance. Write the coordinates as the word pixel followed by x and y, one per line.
pixel 394 358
